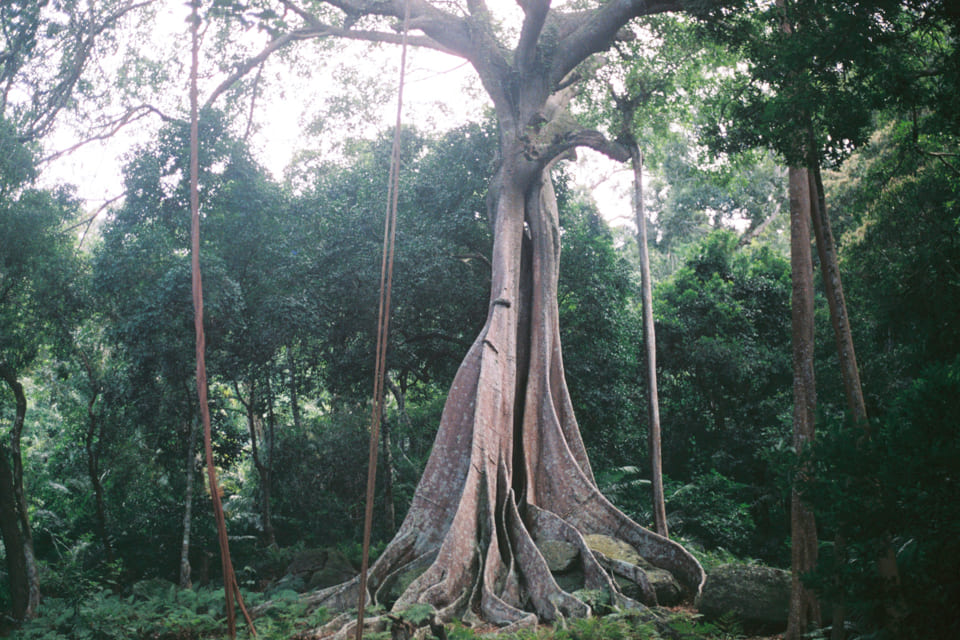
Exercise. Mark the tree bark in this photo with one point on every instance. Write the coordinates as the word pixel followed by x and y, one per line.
pixel 650 346
pixel 21 512
pixel 804 609
pixel 294 389
pixel 185 569
pixel 12 540
pixel 92 446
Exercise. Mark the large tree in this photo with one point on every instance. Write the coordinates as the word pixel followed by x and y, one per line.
pixel 509 468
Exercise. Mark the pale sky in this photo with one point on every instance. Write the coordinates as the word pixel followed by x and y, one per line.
pixel 441 92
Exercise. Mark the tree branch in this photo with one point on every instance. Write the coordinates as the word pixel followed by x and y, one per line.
pixel 110 128
pixel 317 29
pixel 594 31
pixel 581 138
pixel 52 101
pixel 535 15
pixel 277 43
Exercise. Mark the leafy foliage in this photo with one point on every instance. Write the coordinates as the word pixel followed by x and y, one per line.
pixel 896 486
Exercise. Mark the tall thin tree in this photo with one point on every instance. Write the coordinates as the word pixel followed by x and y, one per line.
pixel 231 588
pixel 804 609
pixel 650 344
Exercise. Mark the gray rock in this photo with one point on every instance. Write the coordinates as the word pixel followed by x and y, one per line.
pixel 560 556
pixel 664 584
pixel 669 592
pixel 319 568
pixel 757 596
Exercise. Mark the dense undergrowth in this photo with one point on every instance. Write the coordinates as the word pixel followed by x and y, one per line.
pixel 157 609
pixel 163 612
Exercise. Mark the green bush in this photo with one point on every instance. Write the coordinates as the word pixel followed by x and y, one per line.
pixel 895 486
pixel 160 610
pixel 712 510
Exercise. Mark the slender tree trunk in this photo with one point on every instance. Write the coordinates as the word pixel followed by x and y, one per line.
pixel 294 388
pixel 230 587
pixel 92 446
pixel 804 608
pixel 390 515
pixel 650 345
pixel 12 540
pixel 850 375
pixel 185 570
pixel 389 511
pixel 22 513
pixel 833 287
pixel 266 473
pixel 256 431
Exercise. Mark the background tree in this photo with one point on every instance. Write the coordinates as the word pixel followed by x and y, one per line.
pixel 38 307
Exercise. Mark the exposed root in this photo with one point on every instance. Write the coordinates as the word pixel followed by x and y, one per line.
pixel 509 471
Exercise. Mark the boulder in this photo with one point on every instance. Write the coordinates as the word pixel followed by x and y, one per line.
pixel 757 596
pixel 319 568
pixel 664 584
pixel 560 556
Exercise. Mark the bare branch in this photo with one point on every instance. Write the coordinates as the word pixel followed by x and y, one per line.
pixel 59 96
pixel 318 30
pixel 253 102
pixel 110 128
pixel 274 45
pixel 308 17
pixel 88 222
pixel 942 157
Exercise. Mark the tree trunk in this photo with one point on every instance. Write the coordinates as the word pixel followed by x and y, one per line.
pixel 389 511
pixel 397 391
pixel 804 608
pixel 266 473
pixel 21 512
pixel 294 391
pixel 12 540
pixel 850 374
pixel 508 468
pixel 255 429
pixel 833 287
pixel 650 346
pixel 93 471
pixel 230 587
pixel 185 570
pixel 92 446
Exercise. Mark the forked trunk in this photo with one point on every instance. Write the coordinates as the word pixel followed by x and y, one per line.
pixel 509 470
